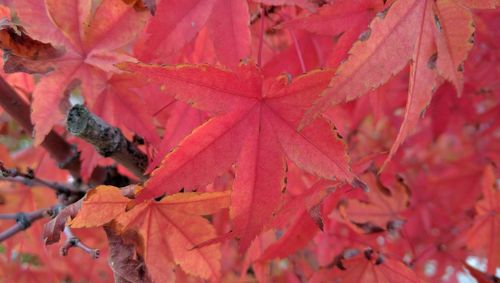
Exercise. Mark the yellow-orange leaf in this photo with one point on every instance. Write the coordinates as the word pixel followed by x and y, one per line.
pixel 198 203
pixel 101 205
pixel 170 229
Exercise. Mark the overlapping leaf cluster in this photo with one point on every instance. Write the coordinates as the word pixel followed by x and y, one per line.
pixel 292 140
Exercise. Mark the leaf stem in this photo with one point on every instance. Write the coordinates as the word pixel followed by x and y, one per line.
pixel 261 39
pixel 299 52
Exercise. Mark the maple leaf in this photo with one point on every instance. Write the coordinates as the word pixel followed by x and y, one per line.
pixel 178 22
pixel 52 229
pixel 304 214
pixel 344 20
pixel 229 29
pixel 107 200
pixel 298 57
pixel 20 50
pixel 337 18
pixel 288 187
pixel 372 267
pixel 91 34
pixel 382 210
pixel 297 236
pixel 484 235
pixel 255 250
pixel 172 223
pixel 168 229
pixel 255 127
pixel 182 120
pixel 175 24
pixel 434 35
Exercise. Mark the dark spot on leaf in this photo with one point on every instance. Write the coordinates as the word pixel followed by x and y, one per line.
pixel 365 35
pixel 380 260
pixel 441 247
pixel 483 90
pixel 431 63
pixel 315 214
pixel 357 183
pixel 438 23
pixel 340 265
pixel 159 198
pixel 383 189
pixel 368 254
pixel 369 228
pixel 350 253
pixel 336 38
pixel 321 3
pixel 472 38
pixel 395 225
pixel 460 68
pixel 383 13
pixel 399 178
pixel 422 114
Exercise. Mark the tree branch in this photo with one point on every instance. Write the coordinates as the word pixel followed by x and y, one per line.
pixel 64 153
pixel 108 141
pixel 23 221
pixel 58 148
pixel 29 179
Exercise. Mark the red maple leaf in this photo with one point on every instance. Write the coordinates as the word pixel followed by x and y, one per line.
pixel 372 267
pixel 484 236
pixel 255 126
pixel 434 36
pixel 91 35
pixel 168 230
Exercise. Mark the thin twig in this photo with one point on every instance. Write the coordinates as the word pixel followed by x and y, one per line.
pixel 38 182
pixel 73 241
pixel 29 179
pixel 23 221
